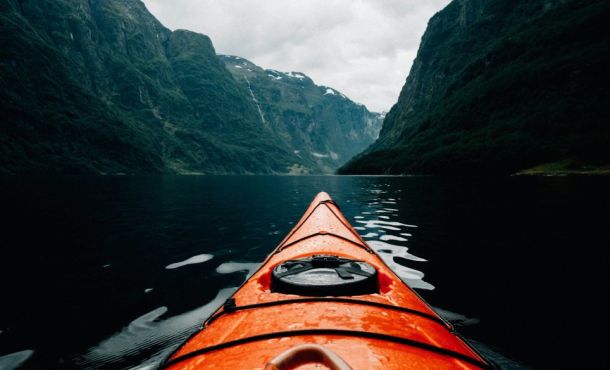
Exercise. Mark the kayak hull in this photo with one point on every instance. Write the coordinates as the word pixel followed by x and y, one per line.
pixel 392 329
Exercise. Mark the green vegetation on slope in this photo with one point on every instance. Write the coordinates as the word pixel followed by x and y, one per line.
pixel 103 87
pixel 42 110
pixel 321 125
pixel 500 86
pixel 566 167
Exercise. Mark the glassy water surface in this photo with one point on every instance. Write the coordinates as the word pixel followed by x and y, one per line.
pixel 114 272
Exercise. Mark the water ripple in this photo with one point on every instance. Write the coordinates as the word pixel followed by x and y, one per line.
pixel 149 336
pixel 193 260
pixel 393 250
pixel 14 360
pixel 384 222
pixel 393 237
pixel 231 267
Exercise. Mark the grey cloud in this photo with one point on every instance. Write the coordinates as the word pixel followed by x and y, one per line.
pixel 363 48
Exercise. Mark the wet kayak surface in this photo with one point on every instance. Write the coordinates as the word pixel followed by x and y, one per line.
pixel 115 272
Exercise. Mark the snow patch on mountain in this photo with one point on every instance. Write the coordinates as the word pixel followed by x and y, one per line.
pixel 297 75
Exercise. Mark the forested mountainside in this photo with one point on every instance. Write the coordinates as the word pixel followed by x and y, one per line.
pixel 103 87
pixel 320 124
pixel 499 86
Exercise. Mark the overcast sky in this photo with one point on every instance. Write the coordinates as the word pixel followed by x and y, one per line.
pixel 363 48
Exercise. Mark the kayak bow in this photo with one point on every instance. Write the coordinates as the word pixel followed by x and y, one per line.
pixel 324 299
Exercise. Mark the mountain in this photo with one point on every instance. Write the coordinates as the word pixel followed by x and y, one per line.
pixel 103 87
pixel 320 124
pixel 500 86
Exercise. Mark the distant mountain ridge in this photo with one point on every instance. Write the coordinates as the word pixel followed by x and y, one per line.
pixel 103 87
pixel 499 86
pixel 319 123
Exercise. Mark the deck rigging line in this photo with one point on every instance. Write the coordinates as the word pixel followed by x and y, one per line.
pixel 337 332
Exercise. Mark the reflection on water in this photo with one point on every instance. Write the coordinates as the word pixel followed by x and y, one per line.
pixel 378 217
pixel 155 337
pixel 200 258
pixel 14 360
pixel 149 336
pixel 231 267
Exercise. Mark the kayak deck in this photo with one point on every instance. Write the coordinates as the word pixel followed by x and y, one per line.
pixel 391 329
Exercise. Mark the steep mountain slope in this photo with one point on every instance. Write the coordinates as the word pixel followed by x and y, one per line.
pixel 499 86
pixel 320 124
pixel 103 87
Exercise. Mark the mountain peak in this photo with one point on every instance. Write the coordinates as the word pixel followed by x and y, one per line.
pixel 308 116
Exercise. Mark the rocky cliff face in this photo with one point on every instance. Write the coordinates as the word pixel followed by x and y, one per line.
pixel 320 124
pixel 499 86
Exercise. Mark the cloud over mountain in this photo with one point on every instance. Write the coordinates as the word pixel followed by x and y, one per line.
pixel 362 47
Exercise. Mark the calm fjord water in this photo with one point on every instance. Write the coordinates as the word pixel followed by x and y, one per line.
pixel 113 272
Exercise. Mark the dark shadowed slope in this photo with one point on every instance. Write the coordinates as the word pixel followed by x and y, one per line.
pixel 501 86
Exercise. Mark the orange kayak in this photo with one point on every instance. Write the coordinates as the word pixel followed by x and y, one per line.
pixel 323 299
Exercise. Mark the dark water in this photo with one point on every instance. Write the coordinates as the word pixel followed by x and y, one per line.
pixel 91 271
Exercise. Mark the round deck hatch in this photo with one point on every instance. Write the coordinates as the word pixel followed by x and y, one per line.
pixel 324 275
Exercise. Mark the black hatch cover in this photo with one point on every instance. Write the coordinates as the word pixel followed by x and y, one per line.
pixel 324 275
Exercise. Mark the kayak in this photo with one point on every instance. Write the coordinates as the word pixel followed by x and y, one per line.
pixel 323 299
